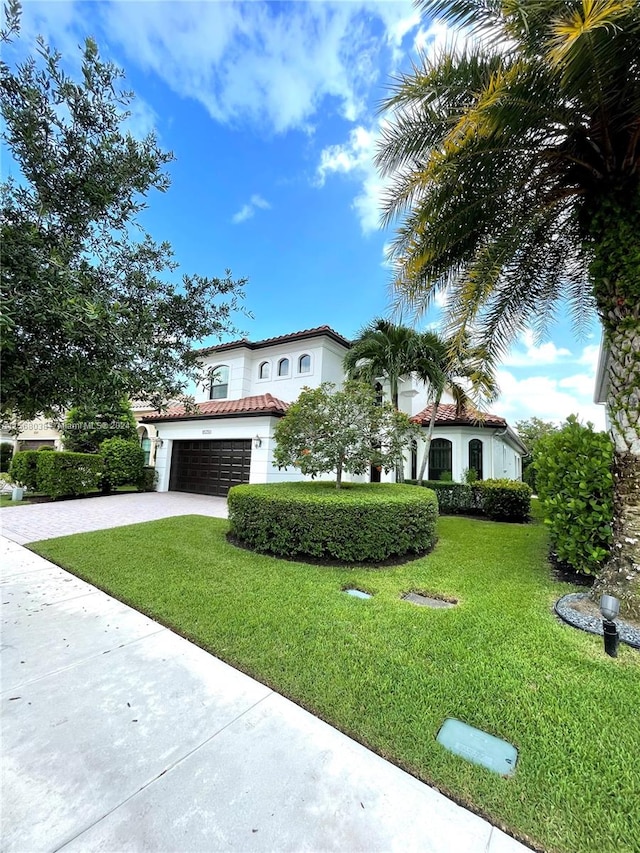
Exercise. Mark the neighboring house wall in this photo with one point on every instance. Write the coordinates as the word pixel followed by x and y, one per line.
pixel 33 434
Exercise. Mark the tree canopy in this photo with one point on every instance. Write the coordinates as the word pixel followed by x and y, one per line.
pixel 86 426
pixel 328 430
pixel 90 302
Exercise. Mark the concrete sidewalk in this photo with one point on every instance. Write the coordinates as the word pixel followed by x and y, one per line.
pixel 29 523
pixel 119 735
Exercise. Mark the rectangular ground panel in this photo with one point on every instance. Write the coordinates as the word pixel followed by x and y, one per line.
pixel 478 747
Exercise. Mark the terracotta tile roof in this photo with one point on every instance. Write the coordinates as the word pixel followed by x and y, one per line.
pixel 447 416
pixel 304 334
pixel 262 404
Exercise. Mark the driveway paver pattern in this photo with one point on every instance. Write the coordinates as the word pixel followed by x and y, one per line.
pixel 30 523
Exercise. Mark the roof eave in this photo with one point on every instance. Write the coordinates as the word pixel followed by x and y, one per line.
pixel 273 413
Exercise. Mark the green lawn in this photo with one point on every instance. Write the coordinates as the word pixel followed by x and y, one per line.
pixel 388 673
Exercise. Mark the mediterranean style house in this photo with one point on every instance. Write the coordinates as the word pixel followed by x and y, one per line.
pixel 229 439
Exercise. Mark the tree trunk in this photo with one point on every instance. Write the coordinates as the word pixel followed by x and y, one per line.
pixel 621 574
pixel 339 475
pixel 393 383
pixel 614 229
pixel 423 465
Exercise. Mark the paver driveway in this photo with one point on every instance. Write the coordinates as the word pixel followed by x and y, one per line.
pixel 30 523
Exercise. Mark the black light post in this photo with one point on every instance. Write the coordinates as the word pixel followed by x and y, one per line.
pixel 610 607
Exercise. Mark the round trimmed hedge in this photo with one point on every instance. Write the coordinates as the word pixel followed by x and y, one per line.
pixel 360 522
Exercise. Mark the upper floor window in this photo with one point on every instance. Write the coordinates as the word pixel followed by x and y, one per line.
pixel 265 370
pixel 283 367
pixel 220 383
pixel 304 364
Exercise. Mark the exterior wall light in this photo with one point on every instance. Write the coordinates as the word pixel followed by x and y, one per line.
pixel 610 607
pixel 257 442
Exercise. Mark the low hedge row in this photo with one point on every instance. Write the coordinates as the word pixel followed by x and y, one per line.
pixel 499 500
pixel 62 474
pixel 65 474
pixel 356 523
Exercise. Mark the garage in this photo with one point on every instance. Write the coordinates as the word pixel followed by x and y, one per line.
pixel 208 467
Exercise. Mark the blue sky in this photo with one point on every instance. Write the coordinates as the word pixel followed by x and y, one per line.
pixel 271 112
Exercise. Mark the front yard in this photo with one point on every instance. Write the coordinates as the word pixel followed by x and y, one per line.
pixel 388 672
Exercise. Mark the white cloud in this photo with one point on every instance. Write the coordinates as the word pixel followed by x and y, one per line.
pixel 356 157
pixel 248 210
pixel 533 355
pixel 551 399
pixel 272 65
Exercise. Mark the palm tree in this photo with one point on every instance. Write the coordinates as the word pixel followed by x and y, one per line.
pixel 514 168
pixel 382 350
pixel 442 365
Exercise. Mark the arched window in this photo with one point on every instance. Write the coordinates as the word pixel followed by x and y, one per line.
pixel 283 367
pixel 414 460
pixel 145 443
pixel 440 467
pixel 475 456
pixel 265 370
pixel 220 383
pixel 304 364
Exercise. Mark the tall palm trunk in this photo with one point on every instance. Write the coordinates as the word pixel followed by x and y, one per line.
pixel 621 574
pixel 616 267
pixel 432 423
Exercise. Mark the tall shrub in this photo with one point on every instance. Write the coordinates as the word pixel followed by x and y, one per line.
pixel 575 486
pixel 123 463
pixel 6 454
pixel 23 469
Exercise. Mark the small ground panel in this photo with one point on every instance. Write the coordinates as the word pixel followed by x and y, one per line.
pixel 357 593
pixel 478 746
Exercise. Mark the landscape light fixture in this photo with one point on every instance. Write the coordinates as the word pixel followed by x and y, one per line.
pixel 257 442
pixel 610 607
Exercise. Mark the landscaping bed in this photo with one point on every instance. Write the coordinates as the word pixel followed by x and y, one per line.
pixel 388 672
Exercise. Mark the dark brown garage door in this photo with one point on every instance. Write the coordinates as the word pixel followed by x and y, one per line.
pixel 209 467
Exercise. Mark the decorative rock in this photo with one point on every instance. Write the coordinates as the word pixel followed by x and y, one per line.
pixel 593 624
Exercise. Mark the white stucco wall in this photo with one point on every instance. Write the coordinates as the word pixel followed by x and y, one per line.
pixel 244 369
pixel 499 458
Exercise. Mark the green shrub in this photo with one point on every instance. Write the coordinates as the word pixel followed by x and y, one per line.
pixel 453 498
pixel 357 523
pixel 575 486
pixel 46 447
pixel 123 462
pixel 147 480
pixel 499 500
pixel 505 500
pixel 64 474
pixel 23 469
pixel 6 453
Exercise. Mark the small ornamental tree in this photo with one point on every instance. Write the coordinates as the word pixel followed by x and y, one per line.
pixel 328 430
pixel 88 425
